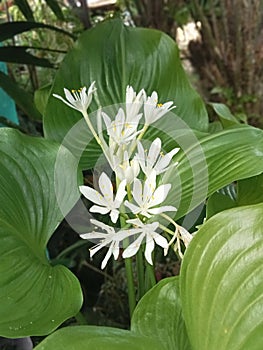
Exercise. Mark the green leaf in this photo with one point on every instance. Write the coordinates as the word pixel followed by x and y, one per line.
pixel 41 96
pixel 221 282
pixel 212 163
pixel 54 6
pixel 10 29
pixel 25 9
pixel 116 56
pixel 97 338
pixel 226 117
pixel 19 54
pixel 159 315
pixel 250 191
pixel 23 99
pixel 218 202
pixel 37 185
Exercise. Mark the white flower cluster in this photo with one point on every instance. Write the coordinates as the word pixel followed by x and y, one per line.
pixel 137 197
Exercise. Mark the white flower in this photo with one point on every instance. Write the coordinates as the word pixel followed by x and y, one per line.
pixel 155 159
pixel 133 102
pixel 148 197
pixel 154 110
pixel 78 99
pixel 111 238
pixel 105 201
pixel 126 169
pixel 120 130
pixel 148 232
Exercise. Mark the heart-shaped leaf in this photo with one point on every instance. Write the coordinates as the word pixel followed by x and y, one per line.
pixel 97 338
pixel 159 315
pixel 222 282
pixel 37 184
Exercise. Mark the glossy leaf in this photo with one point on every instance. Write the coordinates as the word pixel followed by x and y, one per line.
pixel 221 282
pixel 250 191
pixel 97 338
pixel 159 315
pixel 116 56
pixel 226 117
pixel 22 98
pixel 212 163
pixel 37 184
pixel 41 96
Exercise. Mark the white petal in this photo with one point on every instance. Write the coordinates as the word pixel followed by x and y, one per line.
pixel 121 193
pixel 134 208
pixel 69 96
pixel 107 120
pixel 159 195
pixel 107 256
pixel 91 88
pixel 92 195
pixel 159 210
pixel 160 240
pixel 133 248
pixel 149 249
pixel 137 192
pixel 93 235
pixel 164 161
pixel 114 214
pixel 98 209
pixel 66 102
pixel 106 187
pixel 154 152
pixel 105 227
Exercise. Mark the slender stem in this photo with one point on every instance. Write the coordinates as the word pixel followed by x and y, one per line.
pixel 149 277
pixel 140 273
pixel 86 117
pixel 128 268
pixel 130 284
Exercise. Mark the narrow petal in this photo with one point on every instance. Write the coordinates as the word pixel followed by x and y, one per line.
pixel 149 249
pixel 114 214
pixel 159 210
pixel 159 195
pixel 106 187
pixel 92 195
pixel 107 257
pixel 121 193
pixel 133 248
pixel 66 102
pixel 164 161
pixel 105 227
pixel 69 96
pixel 93 235
pixel 134 208
pixel 98 209
pixel 137 192
pixel 154 152
pixel 160 240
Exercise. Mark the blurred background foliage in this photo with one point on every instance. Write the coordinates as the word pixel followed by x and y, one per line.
pixel 221 49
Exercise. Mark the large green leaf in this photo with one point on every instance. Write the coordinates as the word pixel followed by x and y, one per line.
pixel 97 338
pixel 116 56
pixel 159 315
pixel 37 184
pixel 213 162
pixel 222 282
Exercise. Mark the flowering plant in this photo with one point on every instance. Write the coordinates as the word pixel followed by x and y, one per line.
pixel 135 202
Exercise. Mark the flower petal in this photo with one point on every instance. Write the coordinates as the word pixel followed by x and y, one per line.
pixel 92 195
pixel 134 208
pixel 106 188
pixel 137 192
pixel 121 193
pixel 133 248
pixel 98 209
pixel 162 209
pixel 159 195
pixel 149 249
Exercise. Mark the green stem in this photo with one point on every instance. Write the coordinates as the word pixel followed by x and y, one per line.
pixel 140 273
pixel 71 248
pixel 149 277
pixel 130 284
